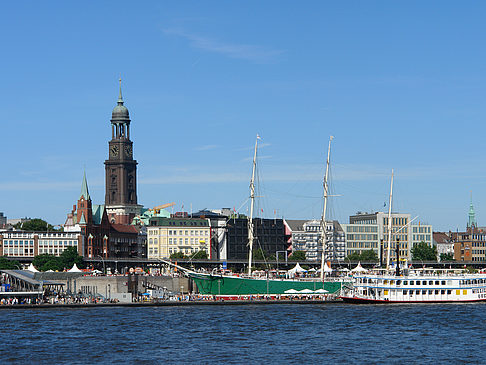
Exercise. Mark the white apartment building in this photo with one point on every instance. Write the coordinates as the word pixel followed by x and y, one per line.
pixel 166 236
pixel 306 236
pixel 30 244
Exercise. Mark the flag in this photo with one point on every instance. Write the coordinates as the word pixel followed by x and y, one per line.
pixel 262 210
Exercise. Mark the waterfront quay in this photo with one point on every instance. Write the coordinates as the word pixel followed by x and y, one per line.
pixel 173 303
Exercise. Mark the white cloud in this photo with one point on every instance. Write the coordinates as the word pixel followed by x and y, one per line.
pixel 247 52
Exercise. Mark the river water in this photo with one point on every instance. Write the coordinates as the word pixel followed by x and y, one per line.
pixel 314 333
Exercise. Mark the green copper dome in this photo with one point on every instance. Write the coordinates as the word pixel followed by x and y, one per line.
pixel 120 112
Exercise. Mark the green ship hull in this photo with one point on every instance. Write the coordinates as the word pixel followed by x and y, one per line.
pixel 233 285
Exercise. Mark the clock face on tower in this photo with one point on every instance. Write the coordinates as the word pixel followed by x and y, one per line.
pixel 128 151
pixel 114 151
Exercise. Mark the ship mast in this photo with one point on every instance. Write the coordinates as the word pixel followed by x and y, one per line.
pixel 389 224
pixel 252 203
pixel 323 220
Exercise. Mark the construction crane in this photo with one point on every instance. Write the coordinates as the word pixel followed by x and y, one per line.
pixel 163 206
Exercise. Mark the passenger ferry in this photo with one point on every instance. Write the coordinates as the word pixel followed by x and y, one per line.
pixel 417 287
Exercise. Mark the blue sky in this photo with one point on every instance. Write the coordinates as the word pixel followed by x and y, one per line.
pixel 399 84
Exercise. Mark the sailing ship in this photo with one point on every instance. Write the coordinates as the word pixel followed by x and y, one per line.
pixel 231 286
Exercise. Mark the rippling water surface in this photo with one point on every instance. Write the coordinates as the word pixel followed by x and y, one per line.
pixel 330 333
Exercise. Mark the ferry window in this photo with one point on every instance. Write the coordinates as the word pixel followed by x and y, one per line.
pixel 411 292
pixel 418 282
pixel 405 282
pixel 417 292
pixel 424 292
pixel 437 282
pixel 430 292
pixel 431 282
pixel 404 292
pixel 449 292
pixel 436 292
pixel 399 282
pixel 424 282
pixel 443 282
pixel 442 291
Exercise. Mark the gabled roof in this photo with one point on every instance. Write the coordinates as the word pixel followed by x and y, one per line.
pixel 83 219
pixel 98 213
pixel 122 228
pixel 296 224
pixel 441 237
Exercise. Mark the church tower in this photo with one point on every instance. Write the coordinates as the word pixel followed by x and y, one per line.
pixel 121 169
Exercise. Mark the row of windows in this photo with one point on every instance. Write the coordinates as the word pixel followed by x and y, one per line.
pixel 362 228
pixel 18 251
pixel 180 241
pixel 18 243
pixel 479 252
pixel 362 245
pixel 421 229
pixel 399 282
pixel 363 237
pixel 421 237
pixel 183 233
pixel 396 221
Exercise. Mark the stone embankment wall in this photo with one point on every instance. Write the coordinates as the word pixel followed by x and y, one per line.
pixel 119 284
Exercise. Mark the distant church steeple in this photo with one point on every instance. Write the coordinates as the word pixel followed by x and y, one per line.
pixel 472 215
pixel 121 168
pixel 84 188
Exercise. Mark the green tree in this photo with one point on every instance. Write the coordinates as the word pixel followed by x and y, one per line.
pixel 297 256
pixel 355 256
pixel 46 262
pixel 368 255
pixel 177 255
pixel 259 255
pixel 6 264
pixel 424 252
pixel 200 255
pixel 35 224
pixel 446 257
pixel 69 257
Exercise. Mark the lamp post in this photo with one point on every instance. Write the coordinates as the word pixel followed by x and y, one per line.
pixel 104 270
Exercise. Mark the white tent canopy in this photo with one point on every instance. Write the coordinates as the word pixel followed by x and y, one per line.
pixel 321 291
pixel 291 291
pixel 296 269
pixel 74 269
pixel 359 268
pixel 306 291
pixel 32 268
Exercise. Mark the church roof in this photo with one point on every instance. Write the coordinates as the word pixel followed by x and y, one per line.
pixel 120 111
pixel 83 219
pixel 84 188
pixel 122 228
pixel 98 213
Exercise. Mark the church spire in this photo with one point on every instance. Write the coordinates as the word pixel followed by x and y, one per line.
pixel 472 215
pixel 120 99
pixel 84 188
